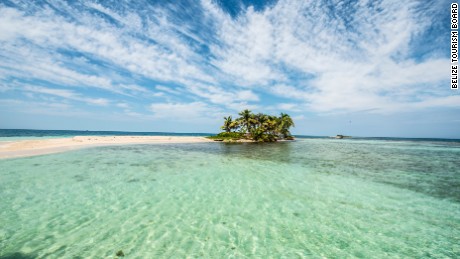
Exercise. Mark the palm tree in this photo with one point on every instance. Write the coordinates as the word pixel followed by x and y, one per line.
pixel 235 125
pixel 228 124
pixel 285 122
pixel 271 125
pixel 246 119
pixel 255 121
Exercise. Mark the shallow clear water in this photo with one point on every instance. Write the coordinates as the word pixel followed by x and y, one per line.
pixel 311 198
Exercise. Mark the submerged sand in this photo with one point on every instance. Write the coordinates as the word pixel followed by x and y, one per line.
pixel 25 148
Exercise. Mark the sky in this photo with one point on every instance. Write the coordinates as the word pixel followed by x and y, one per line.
pixel 360 68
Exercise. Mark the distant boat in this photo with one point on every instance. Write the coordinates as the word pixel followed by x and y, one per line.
pixel 342 136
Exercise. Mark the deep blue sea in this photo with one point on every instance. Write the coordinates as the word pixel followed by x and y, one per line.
pixel 315 197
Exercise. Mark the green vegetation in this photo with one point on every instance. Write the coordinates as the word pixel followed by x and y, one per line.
pixel 255 127
pixel 227 136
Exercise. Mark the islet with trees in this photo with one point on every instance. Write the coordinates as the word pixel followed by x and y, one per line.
pixel 257 127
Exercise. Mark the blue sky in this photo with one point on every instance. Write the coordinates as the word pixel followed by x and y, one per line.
pixel 361 68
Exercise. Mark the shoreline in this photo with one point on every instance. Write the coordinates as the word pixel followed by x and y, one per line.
pixel 26 148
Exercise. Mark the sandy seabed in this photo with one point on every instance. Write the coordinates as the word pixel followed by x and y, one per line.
pixel 25 148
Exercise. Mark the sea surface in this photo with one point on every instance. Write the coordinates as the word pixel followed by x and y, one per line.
pixel 311 198
pixel 25 134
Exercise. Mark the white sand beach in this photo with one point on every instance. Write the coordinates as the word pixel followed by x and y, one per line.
pixel 35 147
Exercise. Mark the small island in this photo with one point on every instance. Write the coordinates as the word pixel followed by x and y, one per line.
pixel 250 127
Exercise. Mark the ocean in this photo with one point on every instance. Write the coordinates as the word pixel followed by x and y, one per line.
pixel 24 134
pixel 311 198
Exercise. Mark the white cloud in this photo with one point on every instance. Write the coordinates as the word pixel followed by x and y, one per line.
pixel 245 47
pixel 247 95
pixel 352 63
pixel 219 95
pixel 239 106
pixel 358 58
pixel 106 42
pixel 289 107
pixel 40 108
pixel 28 63
pixel 123 105
pixel 450 101
pixel 289 92
pixel 67 94
pixel 184 111
pixel 159 94
pixel 167 89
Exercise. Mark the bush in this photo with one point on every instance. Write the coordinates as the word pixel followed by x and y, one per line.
pixel 261 136
pixel 234 135
pixel 227 136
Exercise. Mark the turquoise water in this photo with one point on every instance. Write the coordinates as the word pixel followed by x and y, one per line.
pixel 313 198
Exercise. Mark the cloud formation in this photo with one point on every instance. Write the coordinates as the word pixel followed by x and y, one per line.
pixel 184 58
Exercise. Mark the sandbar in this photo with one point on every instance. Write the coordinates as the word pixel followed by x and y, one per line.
pixel 24 148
